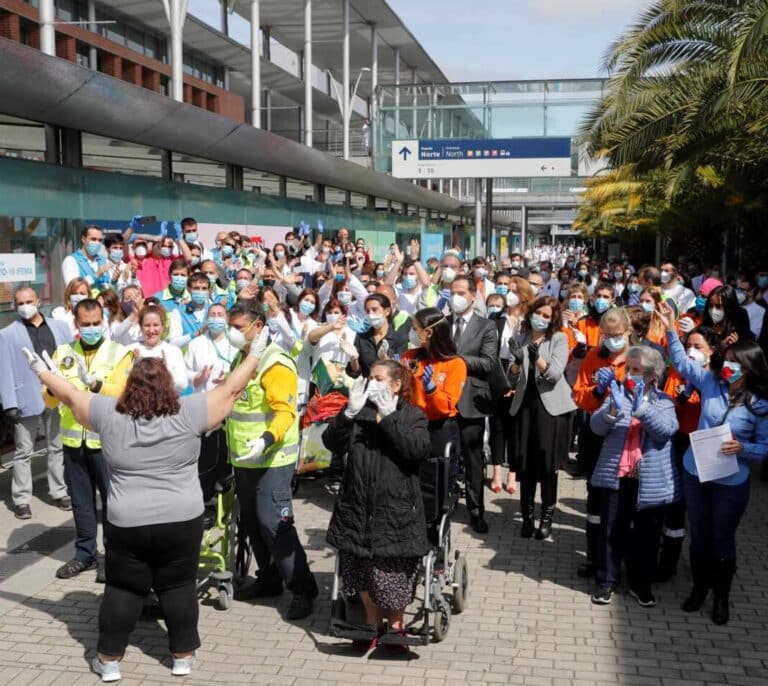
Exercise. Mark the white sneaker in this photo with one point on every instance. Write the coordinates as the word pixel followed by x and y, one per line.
pixel 109 671
pixel 182 666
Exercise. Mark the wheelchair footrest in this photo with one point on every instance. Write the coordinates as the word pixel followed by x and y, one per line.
pixel 353 632
pixel 399 639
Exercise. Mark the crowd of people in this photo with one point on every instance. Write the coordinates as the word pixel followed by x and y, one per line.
pixel 165 352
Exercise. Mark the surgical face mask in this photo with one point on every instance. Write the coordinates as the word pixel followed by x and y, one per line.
pixel 194 261
pixel 741 296
pixel 618 275
pixel 666 277
pixel 93 248
pixel 647 307
pixel 379 273
pixel 545 275
pixel 199 297
pixel 91 335
pixel 494 309
pixel 636 379
pixel 633 287
pixel 27 311
pixel 339 277
pixel 502 289
pixel 575 304
pixel 306 307
pixel 602 304
pixel 140 251
pixel 227 251
pixel 242 283
pixel 345 297
pixel 178 283
pixel 376 320
pixel 376 389
pixel 116 255
pixel 459 304
pixel 697 356
pixel 212 277
pixel 515 264
pixel 409 281
pixel 236 338
pixel 217 324
pixel 279 254
pixel 448 275
pixel 583 273
pixel 731 371
pixel 331 318
pixel 563 293
pixel 76 298
pixel 190 236
pixel 762 281
pixel 481 273
pixel 165 252
pixel 534 288
pixel 717 314
pixel 127 306
pixel 538 323
pixel 413 338
pixel 615 344
pixel 512 299
pixel 273 325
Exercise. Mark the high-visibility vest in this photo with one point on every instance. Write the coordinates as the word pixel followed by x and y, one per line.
pixel 251 417
pixel 103 362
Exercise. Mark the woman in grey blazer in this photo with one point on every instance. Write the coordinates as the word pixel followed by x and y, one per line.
pixel 542 406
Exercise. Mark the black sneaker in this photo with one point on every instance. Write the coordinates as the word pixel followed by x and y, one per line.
pixel 643 598
pixel 603 595
pixel 22 512
pixel 252 588
pixel 64 503
pixel 73 568
pixel 101 573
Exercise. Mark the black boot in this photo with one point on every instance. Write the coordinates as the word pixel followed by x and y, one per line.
pixel 526 509
pixel 545 525
pixel 700 571
pixel 669 557
pixel 721 586
pixel 589 568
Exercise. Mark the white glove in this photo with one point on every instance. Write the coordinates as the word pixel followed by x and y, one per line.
pixel 383 353
pixel 386 402
pixel 348 347
pixel 87 378
pixel 256 446
pixel 687 325
pixel 259 344
pixel 358 395
pixel 36 363
pixel 579 336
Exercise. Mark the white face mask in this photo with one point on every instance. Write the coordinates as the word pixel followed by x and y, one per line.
pixel 140 251
pixel 448 275
pixel 236 338
pixel 27 311
pixel 512 299
pixel 697 356
pixel 376 389
pixel 376 320
pixel 459 304
pixel 717 314
pixel 666 277
pixel 413 338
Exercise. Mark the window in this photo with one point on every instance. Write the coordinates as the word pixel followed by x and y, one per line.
pixel 83 55
pixel 21 138
pixel 112 155
pixel 199 171
pixel 261 182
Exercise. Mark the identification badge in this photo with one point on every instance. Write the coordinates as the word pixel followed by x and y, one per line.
pixel 68 362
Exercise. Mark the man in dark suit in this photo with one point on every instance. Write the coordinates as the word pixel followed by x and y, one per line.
pixel 476 340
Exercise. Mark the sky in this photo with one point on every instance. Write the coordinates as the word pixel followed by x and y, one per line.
pixel 517 39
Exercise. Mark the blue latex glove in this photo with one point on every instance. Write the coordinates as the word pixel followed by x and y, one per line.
pixel 135 225
pixel 320 227
pixel 358 325
pixel 617 396
pixel 170 229
pixel 427 381
pixel 604 377
pixel 639 396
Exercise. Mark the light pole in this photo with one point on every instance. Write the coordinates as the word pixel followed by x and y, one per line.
pixel 345 106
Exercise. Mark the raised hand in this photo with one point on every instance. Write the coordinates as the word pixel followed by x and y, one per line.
pixel 427 380
pixel 358 395
pixel 604 377
pixel 617 396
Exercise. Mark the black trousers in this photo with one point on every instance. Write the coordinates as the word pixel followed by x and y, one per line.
pixel 213 463
pixel 501 433
pixel 548 490
pixel 163 557
pixel 266 508
pixel 471 432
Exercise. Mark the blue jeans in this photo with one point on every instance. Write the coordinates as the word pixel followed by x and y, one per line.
pixel 714 512
pixel 84 472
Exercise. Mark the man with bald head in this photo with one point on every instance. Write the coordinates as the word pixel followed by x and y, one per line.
pixel 22 399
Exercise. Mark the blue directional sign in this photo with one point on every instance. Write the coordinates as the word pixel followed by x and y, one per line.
pixel 500 148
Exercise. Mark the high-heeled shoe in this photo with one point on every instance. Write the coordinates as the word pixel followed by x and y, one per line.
pixel 511 489
pixel 495 488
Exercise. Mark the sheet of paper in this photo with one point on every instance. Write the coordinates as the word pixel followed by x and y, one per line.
pixel 711 464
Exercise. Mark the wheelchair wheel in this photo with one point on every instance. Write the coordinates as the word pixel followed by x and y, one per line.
pixel 460 584
pixel 225 599
pixel 441 622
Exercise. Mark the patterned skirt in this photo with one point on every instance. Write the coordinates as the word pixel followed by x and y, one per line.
pixel 390 581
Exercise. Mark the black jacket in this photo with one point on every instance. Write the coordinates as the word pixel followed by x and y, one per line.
pixel 379 511
pixel 479 348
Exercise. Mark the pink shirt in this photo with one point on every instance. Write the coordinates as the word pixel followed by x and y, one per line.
pixel 152 273
pixel 633 450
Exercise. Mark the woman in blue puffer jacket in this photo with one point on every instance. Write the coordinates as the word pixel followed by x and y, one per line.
pixel 733 390
pixel 635 476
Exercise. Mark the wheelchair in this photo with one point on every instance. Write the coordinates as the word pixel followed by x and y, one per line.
pixel 443 585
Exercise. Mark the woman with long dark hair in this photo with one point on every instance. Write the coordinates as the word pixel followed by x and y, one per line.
pixel 382 340
pixel 150 440
pixel 439 375
pixel 734 391
pixel 726 317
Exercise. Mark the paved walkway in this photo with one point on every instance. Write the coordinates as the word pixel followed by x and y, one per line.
pixel 529 620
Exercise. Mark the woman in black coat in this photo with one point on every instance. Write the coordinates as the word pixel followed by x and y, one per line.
pixel 378 523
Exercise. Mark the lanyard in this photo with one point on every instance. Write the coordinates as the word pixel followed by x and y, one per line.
pixel 218 352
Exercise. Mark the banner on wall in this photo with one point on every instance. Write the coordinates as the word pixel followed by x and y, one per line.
pixel 16 267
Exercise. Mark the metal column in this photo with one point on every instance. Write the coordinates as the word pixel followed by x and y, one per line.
pixel 414 113
pixel 255 66
pixel 397 93
pixel 346 104
pixel 372 108
pixel 224 16
pixel 478 217
pixel 523 227
pixel 93 55
pixel 488 216
pixel 308 110
pixel 176 14
pixel 47 28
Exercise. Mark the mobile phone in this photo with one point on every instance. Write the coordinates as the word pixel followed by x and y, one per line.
pixel 150 219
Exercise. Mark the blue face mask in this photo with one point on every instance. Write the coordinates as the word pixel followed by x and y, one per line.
pixel 306 307
pixel 194 261
pixel 502 289
pixel 615 344
pixel 217 325
pixel 165 252
pixel 636 379
pixel 116 255
pixel 227 251
pixel 344 297
pixel 199 297
pixel 575 305
pixel 538 323
pixel 762 281
pixel 339 277
pixel 647 307
pixel 633 287
pixel 190 237
pixel 731 371
pixel 602 304
pixel 91 335
pixel 93 248
pixel 409 281
pixel 701 303
pixel 242 283
pixel 178 283
pixel 494 309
